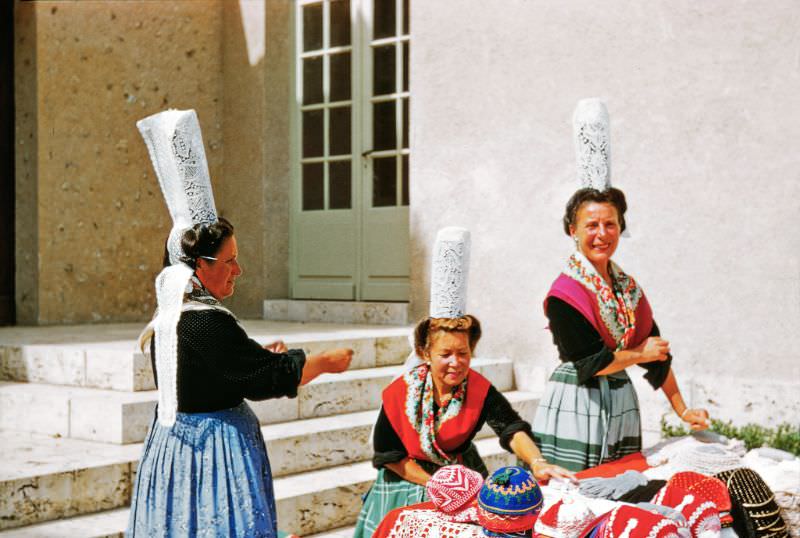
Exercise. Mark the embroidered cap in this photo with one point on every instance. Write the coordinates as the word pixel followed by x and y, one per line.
pixel 502 524
pixel 628 521
pixel 454 489
pixel 511 491
pixel 565 519
pixel 753 501
pixel 702 515
pixel 707 487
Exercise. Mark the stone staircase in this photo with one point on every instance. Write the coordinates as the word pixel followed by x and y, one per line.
pixel 76 403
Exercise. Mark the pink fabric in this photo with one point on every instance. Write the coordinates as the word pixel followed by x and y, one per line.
pixel 574 294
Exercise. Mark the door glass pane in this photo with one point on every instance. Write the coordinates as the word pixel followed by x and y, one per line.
pixel 383 126
pixel 405 122
pixel 340 77
pixel 313 133
pixel 339 122
pixel 312 80
pixel 383 62
pixel 406 51
pixel 312 27
pixel 405 179
pixel 340 23
pixel 405 17
pixel 384 19
pixel 339 186
pixel 313 187
pixel 384 182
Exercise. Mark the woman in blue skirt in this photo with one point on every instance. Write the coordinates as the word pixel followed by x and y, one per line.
pixel 204 469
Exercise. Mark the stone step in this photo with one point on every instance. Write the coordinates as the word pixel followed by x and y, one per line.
pixel 124 417
pixel 373 313
pixel 44 477
pixel 308 503
pixel 106 356
pixel 339 532
pixel 108 524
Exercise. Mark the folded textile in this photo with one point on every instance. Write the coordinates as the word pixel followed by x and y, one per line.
pixel 665 451
pixel 643 494
pixel 669 512
pixel 692 455
pixel 612 488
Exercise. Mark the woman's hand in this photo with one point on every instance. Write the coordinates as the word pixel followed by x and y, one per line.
pixel 337 360
pixel 653 349
pixel 696 418
pixel 328 362
pixel 545 471
pixel 276 347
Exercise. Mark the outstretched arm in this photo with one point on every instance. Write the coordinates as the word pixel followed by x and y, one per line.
pixel 526 450
pixel 696 418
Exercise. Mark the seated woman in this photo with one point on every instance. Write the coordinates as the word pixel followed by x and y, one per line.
pixel 602 324
pixel 430 416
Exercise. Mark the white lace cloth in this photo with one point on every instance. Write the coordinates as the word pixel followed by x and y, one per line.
pixel 688 454
pixel 430 524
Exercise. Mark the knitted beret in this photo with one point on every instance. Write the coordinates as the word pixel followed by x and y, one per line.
pixel 511 491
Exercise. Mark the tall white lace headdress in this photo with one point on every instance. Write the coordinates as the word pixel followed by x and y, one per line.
pixel 590 126
pixel 449 275
pixel 176 149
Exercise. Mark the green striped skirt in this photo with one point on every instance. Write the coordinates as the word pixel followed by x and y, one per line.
pixel 580 426
pixel 389 491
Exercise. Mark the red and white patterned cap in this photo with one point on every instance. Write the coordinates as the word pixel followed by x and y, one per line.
pixel 565 519
pixel 707 487
pixel 701 514
pixel 628 521
pixel 453 489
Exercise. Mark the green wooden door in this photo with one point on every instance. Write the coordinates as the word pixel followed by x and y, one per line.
pixel 349 217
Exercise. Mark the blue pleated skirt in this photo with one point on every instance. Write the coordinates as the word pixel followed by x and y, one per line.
pixel 206 475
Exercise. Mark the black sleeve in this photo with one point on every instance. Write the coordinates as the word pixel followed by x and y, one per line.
pixel 656 371
pixel 240 362
pixel 503 419
pixel 388 446
pixel 577 341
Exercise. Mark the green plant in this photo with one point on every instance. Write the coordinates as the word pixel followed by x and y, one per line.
pixel 784 436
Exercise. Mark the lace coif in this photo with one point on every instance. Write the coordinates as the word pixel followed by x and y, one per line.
pixel 175 145
pixel 591 131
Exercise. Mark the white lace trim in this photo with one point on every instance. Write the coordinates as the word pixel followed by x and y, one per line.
pixel 170 287
pixel 591 132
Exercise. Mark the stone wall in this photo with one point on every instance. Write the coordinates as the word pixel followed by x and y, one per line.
pixel 91 220
pixel 703 98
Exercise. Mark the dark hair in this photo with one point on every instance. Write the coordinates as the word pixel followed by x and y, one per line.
pixel 202 240
pixel 426 328
pixel 611 196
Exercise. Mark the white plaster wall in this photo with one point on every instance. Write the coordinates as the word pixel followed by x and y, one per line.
pixel 704 99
